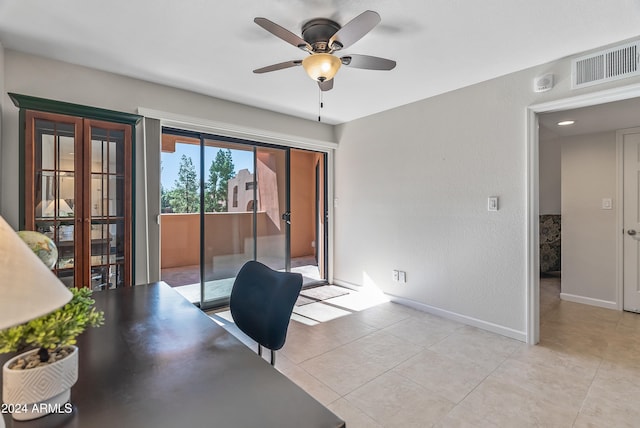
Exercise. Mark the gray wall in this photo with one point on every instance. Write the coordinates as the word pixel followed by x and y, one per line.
pixel 412 185
pixel 588 231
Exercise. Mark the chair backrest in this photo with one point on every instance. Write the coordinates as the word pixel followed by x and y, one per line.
pixel 261 303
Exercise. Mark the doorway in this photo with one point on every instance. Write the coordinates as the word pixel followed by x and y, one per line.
pixel 308 216
pixel 225 201
pixel 599 120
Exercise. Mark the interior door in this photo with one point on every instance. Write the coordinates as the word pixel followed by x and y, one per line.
pixel 631 220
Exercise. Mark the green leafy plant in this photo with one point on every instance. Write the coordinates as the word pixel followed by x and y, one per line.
pixel 55 330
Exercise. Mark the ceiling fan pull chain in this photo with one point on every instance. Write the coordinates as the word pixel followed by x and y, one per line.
pixel 320 103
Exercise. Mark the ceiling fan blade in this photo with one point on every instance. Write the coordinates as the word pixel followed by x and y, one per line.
pixel 327 85
pixel 368 62
pixel 354 30
pixel 283 33
pixel 279 66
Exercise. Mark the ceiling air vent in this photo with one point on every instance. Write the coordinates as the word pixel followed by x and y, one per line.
pixel 607 65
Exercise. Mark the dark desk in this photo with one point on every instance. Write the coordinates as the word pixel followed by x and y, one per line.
pixel 160 362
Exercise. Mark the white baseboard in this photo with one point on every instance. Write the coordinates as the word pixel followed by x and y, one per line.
pixel 589 301
pixel 474 322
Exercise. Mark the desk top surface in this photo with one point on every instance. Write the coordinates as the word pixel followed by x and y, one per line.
pixel 160 362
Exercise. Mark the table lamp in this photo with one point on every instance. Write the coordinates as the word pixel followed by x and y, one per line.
pixel 28 289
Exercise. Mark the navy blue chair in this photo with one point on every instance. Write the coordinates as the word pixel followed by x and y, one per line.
pixel 261 303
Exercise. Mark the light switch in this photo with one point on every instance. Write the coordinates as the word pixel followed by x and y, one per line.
pixel 607 204
pixel 492 204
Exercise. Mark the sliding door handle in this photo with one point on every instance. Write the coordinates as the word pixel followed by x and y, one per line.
pixel 287 217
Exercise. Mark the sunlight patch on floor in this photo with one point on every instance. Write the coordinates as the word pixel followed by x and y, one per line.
pixel 320 312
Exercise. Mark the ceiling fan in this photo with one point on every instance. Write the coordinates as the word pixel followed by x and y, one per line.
pixel 322 37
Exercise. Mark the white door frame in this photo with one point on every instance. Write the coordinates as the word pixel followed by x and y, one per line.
pixel 532 189
pixel 620 217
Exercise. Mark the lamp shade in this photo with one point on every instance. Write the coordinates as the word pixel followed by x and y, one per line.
pixel 28 289
pixel 64 209
pixel 321 66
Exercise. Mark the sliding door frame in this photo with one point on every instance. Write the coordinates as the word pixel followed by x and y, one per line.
pixel 202 136
pixel 150 176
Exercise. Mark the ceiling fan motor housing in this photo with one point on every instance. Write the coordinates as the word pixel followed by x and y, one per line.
pixel 317 33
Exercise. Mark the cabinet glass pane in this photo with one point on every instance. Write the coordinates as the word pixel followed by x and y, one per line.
pixel 116 152
pixel 97 156
pixel 100 244
pixel 65 233
pixel 116 187
pixel 66 154
pixel 47 148
pixel 96 195
pixel 44 193
pixel 105 277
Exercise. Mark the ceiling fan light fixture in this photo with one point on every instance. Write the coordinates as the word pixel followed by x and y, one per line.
pixel 321 66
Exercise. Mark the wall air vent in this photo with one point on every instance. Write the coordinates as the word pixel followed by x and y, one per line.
pixel 607 65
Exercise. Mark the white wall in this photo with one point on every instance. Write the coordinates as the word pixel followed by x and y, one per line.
pixel 412 186
pixel 550 177
pixel 31 75
pixel 588 231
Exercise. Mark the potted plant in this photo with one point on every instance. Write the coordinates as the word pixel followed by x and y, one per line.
pixel 38 382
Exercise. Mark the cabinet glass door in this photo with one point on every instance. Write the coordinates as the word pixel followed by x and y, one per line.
pixel 78 192
pixel 51 198
pixel 106 231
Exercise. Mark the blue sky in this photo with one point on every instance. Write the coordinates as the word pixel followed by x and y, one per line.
pixel 242 159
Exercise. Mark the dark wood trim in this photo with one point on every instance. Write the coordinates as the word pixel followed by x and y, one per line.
pixel 52 106
pixel 85 221
pixel 29 172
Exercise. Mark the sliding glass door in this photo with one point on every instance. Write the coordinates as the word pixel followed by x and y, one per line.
pixel 244 206
pixel 272 212
pixel 237 210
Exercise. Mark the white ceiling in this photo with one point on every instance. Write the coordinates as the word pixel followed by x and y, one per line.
pixel 211 47
pixel 588 120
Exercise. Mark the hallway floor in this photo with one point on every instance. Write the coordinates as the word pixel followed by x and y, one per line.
pixel 387 365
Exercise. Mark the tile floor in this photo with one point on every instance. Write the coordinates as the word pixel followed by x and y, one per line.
pixel 392 366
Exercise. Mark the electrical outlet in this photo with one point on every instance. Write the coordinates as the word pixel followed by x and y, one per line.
pixel 396 275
